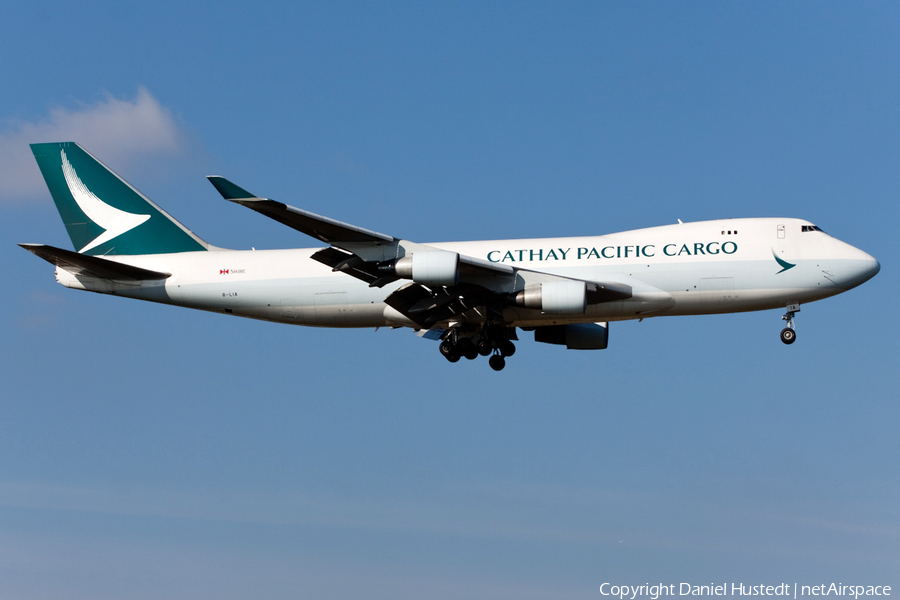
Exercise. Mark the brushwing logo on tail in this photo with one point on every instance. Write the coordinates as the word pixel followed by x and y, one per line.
pixel 114 221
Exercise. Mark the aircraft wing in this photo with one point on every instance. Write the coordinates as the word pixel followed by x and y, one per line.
pixel 374 258
pixel 92 266
pixel 348 237
pixel 328 230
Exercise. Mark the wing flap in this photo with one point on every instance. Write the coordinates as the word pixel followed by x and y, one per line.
pixel 92 266
pixel 427 307
pixel 353 265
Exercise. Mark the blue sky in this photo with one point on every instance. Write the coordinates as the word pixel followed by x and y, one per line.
pixel 148 451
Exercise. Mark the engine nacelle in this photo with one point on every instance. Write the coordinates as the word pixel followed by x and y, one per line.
pixel 555 297
pixel 434 267
pixel 578 336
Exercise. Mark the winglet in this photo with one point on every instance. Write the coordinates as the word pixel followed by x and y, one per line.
pixel 229 190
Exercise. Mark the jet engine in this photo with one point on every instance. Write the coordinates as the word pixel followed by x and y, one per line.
pixel 434 267
pixel 578 336
pixel 555 297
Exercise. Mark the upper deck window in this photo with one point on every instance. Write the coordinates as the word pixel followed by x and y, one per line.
pixel 811 228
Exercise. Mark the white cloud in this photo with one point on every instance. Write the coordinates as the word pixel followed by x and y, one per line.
pixel 124 129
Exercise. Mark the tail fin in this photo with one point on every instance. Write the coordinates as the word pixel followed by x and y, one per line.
pixel 102 213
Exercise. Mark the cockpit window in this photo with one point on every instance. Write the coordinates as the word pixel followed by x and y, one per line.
pixel 811 228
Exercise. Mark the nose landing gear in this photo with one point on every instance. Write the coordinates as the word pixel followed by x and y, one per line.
pixel 788 335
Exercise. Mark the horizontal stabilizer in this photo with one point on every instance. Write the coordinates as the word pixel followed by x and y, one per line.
pixel 327 230
pixel 92 266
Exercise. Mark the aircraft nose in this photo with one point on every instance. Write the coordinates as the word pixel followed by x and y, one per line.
pixel 859 268
pixel 872 267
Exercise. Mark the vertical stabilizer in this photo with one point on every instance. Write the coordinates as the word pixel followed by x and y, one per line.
pixel 104 214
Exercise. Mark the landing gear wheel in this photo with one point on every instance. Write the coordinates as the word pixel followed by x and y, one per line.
pixel 453 357
pixel 788 335
pixel 485 348
pixel 507 348
pixel 497 362
pixel 467 348
pixel 493 332
pixel 447 349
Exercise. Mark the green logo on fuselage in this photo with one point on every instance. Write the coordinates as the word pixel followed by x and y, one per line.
pixel 785 265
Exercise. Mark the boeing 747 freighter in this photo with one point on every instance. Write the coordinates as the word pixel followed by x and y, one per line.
pixel 471 295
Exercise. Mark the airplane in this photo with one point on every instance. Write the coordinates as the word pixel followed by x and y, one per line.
pixel 472 296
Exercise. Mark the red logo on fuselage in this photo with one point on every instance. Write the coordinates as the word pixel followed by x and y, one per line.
pixel 223 271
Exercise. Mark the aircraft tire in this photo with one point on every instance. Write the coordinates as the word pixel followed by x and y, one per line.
pixel 493 332
pixel 788 335
pixel 467 349
pixel 507 348
pixel 452 357
pixel 497 362
pixel 446 348
pixel 485 348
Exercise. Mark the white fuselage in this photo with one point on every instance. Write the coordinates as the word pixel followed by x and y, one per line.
pixel 685 269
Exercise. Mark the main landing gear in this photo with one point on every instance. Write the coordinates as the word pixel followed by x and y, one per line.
pixel 788 335
pixel 492 340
